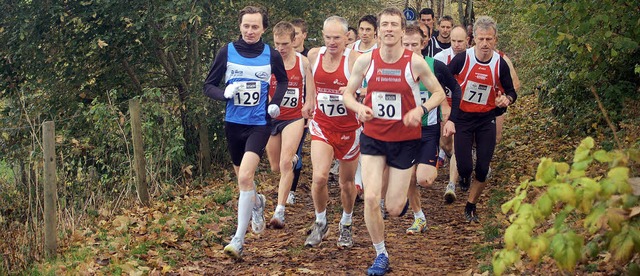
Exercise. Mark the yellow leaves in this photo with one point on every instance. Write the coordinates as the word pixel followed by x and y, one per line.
pixel 546 170
pixel 622 245
pixel 121 223
pixel 102 44
pixel 503 259
pixel 539 246
pixel 567 250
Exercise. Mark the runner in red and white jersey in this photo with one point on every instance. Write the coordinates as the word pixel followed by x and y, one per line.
pixel 458 45
pixel 335 131
pixel 389 88
pixel 288 128
pixel 481 72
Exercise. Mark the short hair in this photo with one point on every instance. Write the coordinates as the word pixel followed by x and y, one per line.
pixel 300 23
pixel 485 22
pixel 338 19
pixel 397 12
pixel 355 31
pixel 446 18
pixel 371 19
pixel 255 9
pixel 412 29
pixel 284 28
pixel 460 27
pixel 427 11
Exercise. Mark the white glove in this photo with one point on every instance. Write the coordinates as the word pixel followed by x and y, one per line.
pixel 231 89
pixel 273 110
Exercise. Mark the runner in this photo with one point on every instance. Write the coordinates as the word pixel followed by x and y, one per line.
pixel 288 128
pixel 246 66
pixel 426 171
pixel 335 131
pixel 301 36
pixel 442 40
pixel 367 29
pixel 391 134
pixel 458 45
pixel 479 71
pixel 352 35
pixel 300 27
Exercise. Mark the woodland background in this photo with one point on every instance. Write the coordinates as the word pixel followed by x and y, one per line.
pixel 78 63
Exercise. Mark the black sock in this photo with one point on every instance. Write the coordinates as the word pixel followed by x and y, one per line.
pixel 470 207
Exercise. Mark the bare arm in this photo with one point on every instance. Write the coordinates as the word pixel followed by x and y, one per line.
pixel 421 69
pixel 310 87
pixel 355 81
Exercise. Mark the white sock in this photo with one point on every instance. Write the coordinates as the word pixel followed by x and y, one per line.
pixel 279 211
pixel 442 154
pixel 420 214
pixel 244 212
pixel 322 217
pixel 380 249
pixel 346 218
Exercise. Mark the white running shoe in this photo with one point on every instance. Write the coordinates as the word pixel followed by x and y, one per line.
pixel 257 215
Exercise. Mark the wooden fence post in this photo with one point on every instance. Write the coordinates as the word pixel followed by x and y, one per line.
pixel 50 188
pixel 205 150
pixel 138 152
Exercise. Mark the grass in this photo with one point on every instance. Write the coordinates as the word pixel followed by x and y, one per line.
pixel 491 232
pixel 223 196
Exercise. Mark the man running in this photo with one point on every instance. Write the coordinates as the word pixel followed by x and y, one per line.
pixel 392 115
pixel 458 45
pixel 426 171
pixel 479 71
pixel 367 29
pixel 335 131
pixel 442 40
pixel 246 66
pixel 288 128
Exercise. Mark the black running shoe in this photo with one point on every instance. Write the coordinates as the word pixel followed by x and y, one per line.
pixel 470 212
pixel 464 184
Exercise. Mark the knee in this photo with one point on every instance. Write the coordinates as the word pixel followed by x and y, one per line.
pixel 394 209
pixel 371 201
pixel 347 185
pixel 426 181
pixel 245 181
pixel 286 165
pixel 320 179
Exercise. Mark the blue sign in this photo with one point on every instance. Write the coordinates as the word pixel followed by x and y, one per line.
pixel 410 13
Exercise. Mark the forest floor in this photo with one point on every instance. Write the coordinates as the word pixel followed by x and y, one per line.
pixel 186 228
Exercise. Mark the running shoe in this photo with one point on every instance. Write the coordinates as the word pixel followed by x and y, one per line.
pixel 277 221
pixel 359 194
pixel 464 184
pixel 440 162
pixel 419 226
pixel 234 249
pixel 295 159
pixel 450 193
pixel 291 198
pixel 336 167
pixel 346 239
pixel 380 265
pixel 470 213
pixel 318 233
pixel 257 215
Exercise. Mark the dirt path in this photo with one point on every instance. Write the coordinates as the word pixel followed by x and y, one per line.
pixel 446 247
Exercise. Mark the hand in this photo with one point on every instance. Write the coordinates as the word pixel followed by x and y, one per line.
pixel 273 110
pixel 231 90
pixel 502 101
pixel 446 111
pixel 307 110
pixel 449 129
pixel 365 113
pixel 413 118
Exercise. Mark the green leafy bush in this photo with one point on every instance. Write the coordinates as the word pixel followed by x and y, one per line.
pixel 575 217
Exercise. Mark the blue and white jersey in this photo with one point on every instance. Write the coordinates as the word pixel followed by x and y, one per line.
pixel 249 105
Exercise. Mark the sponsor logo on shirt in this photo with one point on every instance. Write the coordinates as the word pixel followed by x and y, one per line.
pixel 481 76
pixel 262 75
pixel 389 72
pixel 338 82
pixel 251 85
pixel 236 73
pixel 345 137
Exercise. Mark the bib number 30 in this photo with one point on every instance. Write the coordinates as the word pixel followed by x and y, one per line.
pixel 386 105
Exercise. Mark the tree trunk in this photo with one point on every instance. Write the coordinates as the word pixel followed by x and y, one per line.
pixel 205 150
pixel 461 12
pixel 138 152
pixel 469 16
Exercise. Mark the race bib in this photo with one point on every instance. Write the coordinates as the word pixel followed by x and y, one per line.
pixel 331 105
pixel 386 105
pixel 424 96
pixel 248 94
pixel 291 97
pixel 476 93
